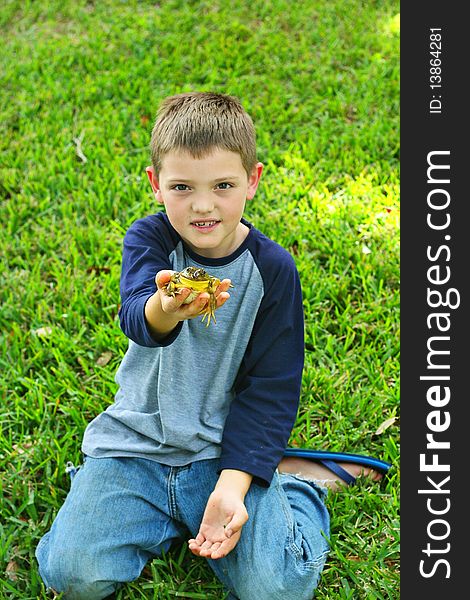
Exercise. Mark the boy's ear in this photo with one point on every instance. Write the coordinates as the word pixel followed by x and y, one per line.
pixel 153 180
pixel 253 180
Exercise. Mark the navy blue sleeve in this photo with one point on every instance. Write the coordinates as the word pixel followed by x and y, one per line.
pixel 147 246
pixel 267 388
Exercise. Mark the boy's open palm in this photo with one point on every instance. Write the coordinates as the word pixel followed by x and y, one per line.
pixel 221 526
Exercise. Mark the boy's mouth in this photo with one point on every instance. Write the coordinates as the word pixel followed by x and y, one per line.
pixel 207 224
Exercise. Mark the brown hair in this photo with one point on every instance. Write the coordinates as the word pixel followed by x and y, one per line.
pixel 199 122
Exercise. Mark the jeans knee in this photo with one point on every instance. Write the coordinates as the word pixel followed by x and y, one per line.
pixel 297 583
pixel 84 590
pixel 72 572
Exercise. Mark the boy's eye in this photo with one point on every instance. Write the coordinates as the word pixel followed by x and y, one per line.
pixel 180 187
pixel 225 185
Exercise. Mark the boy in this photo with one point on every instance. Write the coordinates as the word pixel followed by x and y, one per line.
pixel 194 444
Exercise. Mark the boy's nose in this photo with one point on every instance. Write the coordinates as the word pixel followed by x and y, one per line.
pixel 202 204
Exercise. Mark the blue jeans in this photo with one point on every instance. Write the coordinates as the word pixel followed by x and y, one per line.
pixel 121 512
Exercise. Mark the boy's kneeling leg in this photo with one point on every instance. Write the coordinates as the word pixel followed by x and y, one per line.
pixel 73 571
pixel 106 530
pixel 86 573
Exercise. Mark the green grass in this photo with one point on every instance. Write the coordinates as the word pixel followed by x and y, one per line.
pixel 83 80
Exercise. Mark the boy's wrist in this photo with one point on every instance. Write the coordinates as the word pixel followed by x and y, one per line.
pixel 159 322
pixel 234 480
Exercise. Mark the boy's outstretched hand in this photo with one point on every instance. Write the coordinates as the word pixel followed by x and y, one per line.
pixel 224 517
pixel 174 305
pixel 164 312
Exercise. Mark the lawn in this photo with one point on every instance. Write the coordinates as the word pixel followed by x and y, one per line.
pixel 80 85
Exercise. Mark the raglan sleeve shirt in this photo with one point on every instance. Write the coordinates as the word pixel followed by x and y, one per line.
pixel 267 387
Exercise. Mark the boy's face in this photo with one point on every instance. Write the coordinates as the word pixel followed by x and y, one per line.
pixel 205 198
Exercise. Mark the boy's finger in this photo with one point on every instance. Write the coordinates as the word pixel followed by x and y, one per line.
pixel 175 302
pixel 235 525
pixel 219 553
pixel 203 298
pixel 225 548
pixel 163 277
pixel 200 539
pixel 206 547
pixel 194 548
pixel 195 305
pixel 223 286
pixel 222 298
pixel 182 295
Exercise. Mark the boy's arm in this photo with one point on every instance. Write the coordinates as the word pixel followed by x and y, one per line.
pixel 224 516
pixel 146 249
